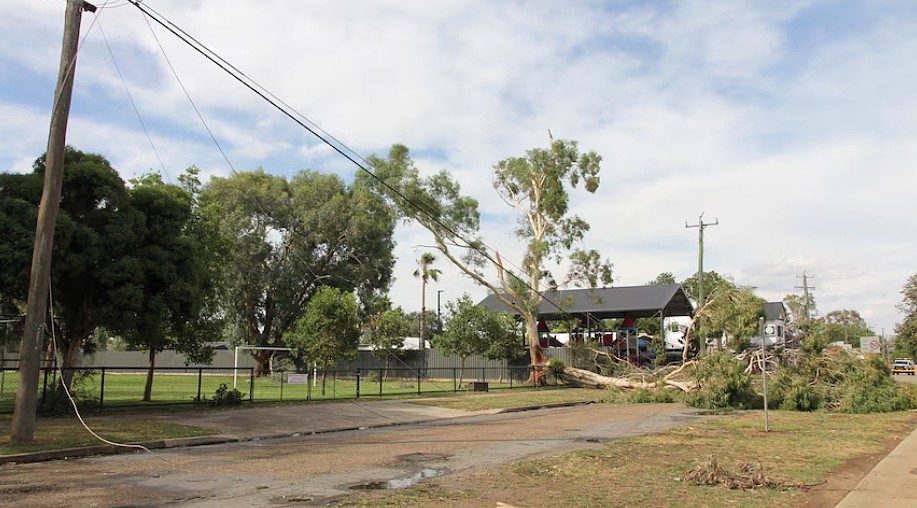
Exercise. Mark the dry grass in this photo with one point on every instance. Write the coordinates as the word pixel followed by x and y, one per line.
pixel 801 448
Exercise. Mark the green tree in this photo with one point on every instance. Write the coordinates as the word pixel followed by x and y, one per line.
pixel 468 331
pixel 287 239
pixel 730 310
pixel 388 333
pixel 503 342
pixel 906 330
pixel 171 311
pixel 537 185
pixel 846 326
pixel 426 273
pixel 661 279
pixel 328 332
pixel 95 278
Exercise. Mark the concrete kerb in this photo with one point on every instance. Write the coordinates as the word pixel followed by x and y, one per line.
pixel 93 450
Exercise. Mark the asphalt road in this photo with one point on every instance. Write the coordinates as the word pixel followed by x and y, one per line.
pixel 314 470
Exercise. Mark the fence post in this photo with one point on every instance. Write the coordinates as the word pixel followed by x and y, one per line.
pixel 418 382
pixel 200 377
pixel 358 382
pixel 381 372
pixel 102 391
pixel 251 385
pixel 281 386
pixel 454 381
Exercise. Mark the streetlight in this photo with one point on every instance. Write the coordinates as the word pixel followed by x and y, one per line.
pixel 439 316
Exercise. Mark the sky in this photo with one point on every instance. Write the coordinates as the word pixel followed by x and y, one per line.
pixel 792 124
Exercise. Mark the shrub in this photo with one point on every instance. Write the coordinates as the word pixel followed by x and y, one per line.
pixel 722 384
pixel 223 396
pixel 556 367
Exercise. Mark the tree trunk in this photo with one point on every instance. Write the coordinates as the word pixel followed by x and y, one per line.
pixel 262 361
pixel 537 356
pixel 71 361
pixel 590 379
pixel 148 389
pixel 324 376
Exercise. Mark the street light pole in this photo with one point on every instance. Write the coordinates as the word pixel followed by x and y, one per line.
pixel 439 316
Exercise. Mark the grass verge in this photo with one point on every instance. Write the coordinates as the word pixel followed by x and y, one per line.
pixel 55 434
pixel 647 470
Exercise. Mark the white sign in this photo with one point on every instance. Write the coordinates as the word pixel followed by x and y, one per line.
pixel 297 379
pixel 870 345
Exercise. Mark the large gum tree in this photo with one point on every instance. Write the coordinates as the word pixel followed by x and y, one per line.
pixel 290 237
pixel 537 185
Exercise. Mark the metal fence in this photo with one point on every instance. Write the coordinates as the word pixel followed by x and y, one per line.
pixel 101 388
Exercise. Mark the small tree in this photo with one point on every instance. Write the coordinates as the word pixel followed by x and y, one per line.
pixel 468 330
pixel 906 342
pixel 503 342
pixel 328 332
pixel 388 332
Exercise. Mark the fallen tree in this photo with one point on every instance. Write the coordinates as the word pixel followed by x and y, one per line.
pixel 633 378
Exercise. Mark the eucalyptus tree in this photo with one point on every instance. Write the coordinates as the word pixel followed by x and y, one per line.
pixel 290 237
pixel 537 185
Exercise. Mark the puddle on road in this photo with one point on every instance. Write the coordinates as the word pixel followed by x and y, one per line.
pixel 398 483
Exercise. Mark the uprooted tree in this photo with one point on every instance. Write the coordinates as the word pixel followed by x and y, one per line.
pixel 537 185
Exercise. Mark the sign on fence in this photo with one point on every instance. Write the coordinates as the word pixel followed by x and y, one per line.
pixel 297 379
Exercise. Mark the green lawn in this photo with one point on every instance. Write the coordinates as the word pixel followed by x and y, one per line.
pixel 126 388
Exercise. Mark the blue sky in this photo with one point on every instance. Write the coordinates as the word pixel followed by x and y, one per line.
pixel 793 122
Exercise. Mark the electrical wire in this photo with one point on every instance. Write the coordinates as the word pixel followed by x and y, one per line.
pixel 76 410
pixel 130 98
pixel 328 140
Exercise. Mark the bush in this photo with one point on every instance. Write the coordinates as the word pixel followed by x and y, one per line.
pixel 556 367
pixel 223 396
pixel 723 384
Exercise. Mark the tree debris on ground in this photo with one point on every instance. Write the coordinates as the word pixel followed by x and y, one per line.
pixel 747 476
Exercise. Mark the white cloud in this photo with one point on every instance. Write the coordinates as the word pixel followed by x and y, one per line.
pixel 802 146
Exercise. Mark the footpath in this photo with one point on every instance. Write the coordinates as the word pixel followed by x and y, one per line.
pixel 891 483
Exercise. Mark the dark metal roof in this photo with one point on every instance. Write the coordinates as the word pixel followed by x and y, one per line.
pixel 604 303
pixel 774 311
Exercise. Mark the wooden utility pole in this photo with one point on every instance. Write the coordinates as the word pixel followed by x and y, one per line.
pixel 805 294
pixel 23 427
pixel 701 298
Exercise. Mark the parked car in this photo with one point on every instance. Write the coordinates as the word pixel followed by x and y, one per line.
pixel 903 366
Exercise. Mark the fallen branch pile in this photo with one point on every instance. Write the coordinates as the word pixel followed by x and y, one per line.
pixel 749 475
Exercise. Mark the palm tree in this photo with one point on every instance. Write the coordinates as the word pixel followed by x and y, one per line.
pixel 425 273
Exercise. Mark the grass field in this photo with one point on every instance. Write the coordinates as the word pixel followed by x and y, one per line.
pixel 119 388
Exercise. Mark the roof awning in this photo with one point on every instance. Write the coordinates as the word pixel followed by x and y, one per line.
pixel 608 303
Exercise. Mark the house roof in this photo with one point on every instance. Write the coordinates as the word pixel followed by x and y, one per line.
pixel 604 303
pixel 774 311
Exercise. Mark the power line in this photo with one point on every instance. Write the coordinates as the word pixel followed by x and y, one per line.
pixel 324 137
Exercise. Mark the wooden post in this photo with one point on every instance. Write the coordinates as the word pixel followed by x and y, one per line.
pixel 23 426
